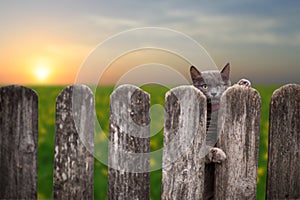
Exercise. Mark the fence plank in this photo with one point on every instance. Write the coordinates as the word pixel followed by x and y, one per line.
pixel 239 119
pixel 184 139
pixel 283 179
pixel 18 142
pixel 129 146
pixel 74 144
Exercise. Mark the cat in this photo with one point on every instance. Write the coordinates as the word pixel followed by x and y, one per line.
pixel 213 84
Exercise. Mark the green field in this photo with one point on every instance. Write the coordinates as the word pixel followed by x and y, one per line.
pixel 47 97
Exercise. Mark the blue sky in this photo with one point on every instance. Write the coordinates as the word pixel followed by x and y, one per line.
pixel 260 38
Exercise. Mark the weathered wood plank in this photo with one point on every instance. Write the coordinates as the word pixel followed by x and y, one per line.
pixel 129 144
pixel 184 144
pixel 283 179
pixel 74 144
pixel 18 142
pixel 239 120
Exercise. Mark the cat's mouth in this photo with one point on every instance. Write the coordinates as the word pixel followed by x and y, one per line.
pixel 214 100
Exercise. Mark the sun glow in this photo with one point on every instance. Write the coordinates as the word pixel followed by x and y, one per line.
pixel 42 72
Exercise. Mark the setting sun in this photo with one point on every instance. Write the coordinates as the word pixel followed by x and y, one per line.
pixel 42 72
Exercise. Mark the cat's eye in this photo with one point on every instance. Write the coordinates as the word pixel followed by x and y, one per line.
pixel 204 86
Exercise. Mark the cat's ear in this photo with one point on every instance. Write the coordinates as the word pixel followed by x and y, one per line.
pixel 225 72
pixel 195 75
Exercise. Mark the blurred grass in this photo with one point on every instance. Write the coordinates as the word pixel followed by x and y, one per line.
pixel 266 94
pixel 47 97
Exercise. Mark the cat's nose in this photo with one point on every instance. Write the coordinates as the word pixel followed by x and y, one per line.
pixel 213 94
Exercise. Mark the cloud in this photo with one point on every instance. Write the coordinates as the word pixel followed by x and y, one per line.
pixel 111 24
pixel 231 29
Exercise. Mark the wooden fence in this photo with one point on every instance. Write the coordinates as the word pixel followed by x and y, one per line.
pixel 183 169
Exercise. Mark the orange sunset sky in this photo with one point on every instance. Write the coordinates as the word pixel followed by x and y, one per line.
pixel 48 42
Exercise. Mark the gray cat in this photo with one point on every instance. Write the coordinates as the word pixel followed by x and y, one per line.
pixel 213 84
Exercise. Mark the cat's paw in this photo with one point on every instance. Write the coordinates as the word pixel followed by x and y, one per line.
pixel 244 82
pixel 215 155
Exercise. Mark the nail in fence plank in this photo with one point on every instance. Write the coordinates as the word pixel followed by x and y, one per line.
pixel 74 144
pixel 184 139
pixel 283 179
pixel 239 125
pixel 129 144
pixel 18 142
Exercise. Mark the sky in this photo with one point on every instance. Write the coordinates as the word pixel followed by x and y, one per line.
pixel 66 42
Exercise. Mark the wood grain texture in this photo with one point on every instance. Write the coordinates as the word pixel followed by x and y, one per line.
pixel 239 120
pixel 184 144
pixel 129 144
pixel 18 142
pixel 74 144
pixel 283 179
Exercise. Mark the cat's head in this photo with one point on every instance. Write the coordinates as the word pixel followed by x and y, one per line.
pixel 212 82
